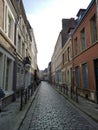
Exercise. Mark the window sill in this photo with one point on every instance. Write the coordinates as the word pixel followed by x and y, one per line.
pixel 7 38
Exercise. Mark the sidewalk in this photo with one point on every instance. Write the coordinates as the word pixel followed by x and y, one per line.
pixel 86 106
pixel 11 117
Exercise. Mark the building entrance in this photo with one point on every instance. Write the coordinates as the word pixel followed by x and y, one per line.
pixel 96 76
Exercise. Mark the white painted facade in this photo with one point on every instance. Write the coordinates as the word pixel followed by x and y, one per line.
pixel 67 63
pixel 56 61
pixel 15 44
pixel 33 52
pixel 7 46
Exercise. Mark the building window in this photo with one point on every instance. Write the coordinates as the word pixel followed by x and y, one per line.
pixel 93 29
pixel 85 75
pixel 67 76
pixel 19 44
pixel 76 46
pixel 77 76
pixel 63 58
pixel 26 37
pixel 68 53
pixel 1 69
pixel 5 19
pixel 23 50
pixel 23 29
pixel 7 73
pixel 18 69
pixel 26 52
pixel 83 39
pixel 8 22
pixel 20 20
pixel 9 26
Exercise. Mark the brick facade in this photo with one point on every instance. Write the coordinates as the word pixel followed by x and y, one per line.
pixel 86 56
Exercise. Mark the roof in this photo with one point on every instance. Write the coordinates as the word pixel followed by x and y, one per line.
pixel 85 13
pixel 80 12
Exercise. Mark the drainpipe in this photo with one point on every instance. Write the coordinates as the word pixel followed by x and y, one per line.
pixel 72 80
pixel 97 16
pixel 97 36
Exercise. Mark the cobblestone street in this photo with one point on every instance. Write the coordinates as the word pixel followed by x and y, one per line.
pixel 51 111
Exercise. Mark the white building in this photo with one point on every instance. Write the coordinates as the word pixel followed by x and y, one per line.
pixel 56 62
pixel 7 46
pixel 17 43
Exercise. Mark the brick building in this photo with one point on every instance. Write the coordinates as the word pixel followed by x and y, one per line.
pixel 85 52
pixel 69 25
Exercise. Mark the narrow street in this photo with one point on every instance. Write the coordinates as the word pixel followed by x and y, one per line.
pixel 51 111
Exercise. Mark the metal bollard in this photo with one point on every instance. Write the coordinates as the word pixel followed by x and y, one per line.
pixel 21 99
pixel 67 90
pixel 0 105
pixel 25 95
pixel 76 94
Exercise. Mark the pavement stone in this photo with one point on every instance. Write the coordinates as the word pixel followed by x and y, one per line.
pixel 88 107
pixel 51 111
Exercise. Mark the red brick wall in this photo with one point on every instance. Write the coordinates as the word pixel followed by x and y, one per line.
pixel 88 57
pixel 85 23
pixel 90 53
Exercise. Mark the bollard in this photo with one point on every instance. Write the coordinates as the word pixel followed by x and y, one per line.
pixel 21 99
pixel 76 94
pixel 0 105
pixel 67 90
pixel 25 93
pixel 31 89
pixel 64 89
pixel 71 91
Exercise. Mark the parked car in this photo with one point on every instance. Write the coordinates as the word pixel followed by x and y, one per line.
pixel 2 94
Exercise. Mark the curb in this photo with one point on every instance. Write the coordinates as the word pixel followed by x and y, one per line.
pixel 25 110
pixel 76 105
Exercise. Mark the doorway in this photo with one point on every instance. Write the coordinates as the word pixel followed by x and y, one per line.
pixel 96 77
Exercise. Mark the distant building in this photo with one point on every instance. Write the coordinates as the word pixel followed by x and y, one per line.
pixel 49 72
pixel 66 24
pixel 56 62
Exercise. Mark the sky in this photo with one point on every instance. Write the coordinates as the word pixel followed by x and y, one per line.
pixel 45 17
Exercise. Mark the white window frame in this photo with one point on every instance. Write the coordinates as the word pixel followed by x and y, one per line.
pixel 7 13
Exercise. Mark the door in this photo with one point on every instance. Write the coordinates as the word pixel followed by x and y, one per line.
pixel 96 77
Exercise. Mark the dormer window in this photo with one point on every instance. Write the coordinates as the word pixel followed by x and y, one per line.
pixel 80 14
pixel 79 17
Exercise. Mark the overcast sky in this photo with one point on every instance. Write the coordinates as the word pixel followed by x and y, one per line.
pixel 45 17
